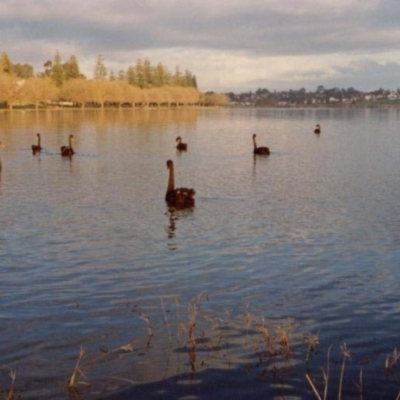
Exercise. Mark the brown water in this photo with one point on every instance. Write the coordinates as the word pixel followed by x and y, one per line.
pixel 305 241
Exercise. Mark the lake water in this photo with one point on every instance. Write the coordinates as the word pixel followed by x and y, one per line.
pixel 212 302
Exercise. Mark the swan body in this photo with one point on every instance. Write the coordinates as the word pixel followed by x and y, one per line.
pixel 317 129
pixel 181 146
pixel 181 197
pixel 37 148
pixel 262 151
pixel 68 151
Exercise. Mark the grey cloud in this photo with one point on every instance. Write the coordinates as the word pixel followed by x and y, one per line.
pixel 370 75
pixel 257 28
pixel 364 75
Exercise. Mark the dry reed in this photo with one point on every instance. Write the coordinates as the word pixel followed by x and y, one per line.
pixel 11 395
pixel 213 338
pixel 73 382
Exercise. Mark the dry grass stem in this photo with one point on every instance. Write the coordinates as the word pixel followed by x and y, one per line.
pixel 346 354
pixel 165 318
pixel 11 392
pixel 312 343
pixel 391 361
pixel 248 318
pixel 212 341
pixel 73 382
pixel 313 386
pixel 192 313
pixel 146 319
pixel 360 385
pixel 192 338
pixel 267 339
pixel 325 375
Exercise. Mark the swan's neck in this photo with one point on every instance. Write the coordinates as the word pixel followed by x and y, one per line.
pixel 70 142
pixel 39 140
pixel 254 141
pixel 171 181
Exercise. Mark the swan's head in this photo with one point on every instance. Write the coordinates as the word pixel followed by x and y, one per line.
pixel 317 126
pixel 170 164
pixel 38 134
pixel 71 136
pixel 177 140
pixel 254 135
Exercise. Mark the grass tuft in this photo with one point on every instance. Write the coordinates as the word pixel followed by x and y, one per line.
pixel 391 361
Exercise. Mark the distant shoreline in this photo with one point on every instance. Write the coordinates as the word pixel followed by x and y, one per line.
pixel 364 105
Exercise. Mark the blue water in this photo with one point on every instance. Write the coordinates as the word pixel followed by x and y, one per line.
pixel 89 250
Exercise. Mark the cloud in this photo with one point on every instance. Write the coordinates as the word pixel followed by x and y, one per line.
pixel 378 75
pixel 363 74
pixel 226 43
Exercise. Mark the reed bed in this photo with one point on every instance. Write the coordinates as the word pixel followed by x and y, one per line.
pixel 192 341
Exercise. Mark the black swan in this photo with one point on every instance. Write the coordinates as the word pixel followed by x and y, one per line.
pixel 181 146
pixel 68 151
pixel 181 197
pixel 262 151
pixel 317 129
pixel 37 148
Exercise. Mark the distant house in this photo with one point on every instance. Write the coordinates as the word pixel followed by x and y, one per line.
pixel 392 96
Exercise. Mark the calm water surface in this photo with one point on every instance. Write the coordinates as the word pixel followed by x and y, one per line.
pixel 306 240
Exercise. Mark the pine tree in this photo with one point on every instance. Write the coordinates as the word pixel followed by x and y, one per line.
pixel 57 70
pixel 177 78
pixel 194 81
pixel 161 76
pixel 121 75
pixel 148 73
pixel 100 71
pixel 6 64
pixel 140 77
pixel 131 76
pixel 71 69
pixel 47 69
pixel 187 79
pixel 24 71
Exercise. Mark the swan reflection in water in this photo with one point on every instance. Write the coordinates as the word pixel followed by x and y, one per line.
pixel 261 160
pixel 174 216
pixel 1 147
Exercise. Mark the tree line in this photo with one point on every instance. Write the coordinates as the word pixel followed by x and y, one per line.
pixel 142 84
pixel 263 97
pixel 143 74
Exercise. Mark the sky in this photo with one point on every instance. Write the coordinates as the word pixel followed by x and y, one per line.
pixel 229 45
